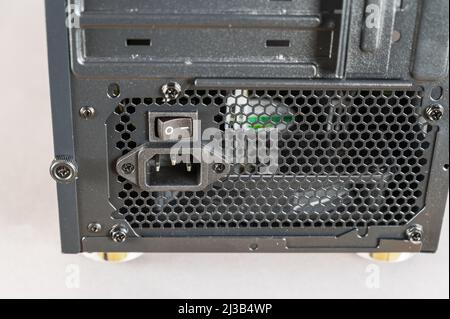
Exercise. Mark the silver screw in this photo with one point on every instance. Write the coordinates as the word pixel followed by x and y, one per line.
pixel 171 90
pixel 119 234
pixel 87 112
pixel 219 168
pixel 434 112
pixel 94 227
pixel 415 234
pixel 63 170
pixel 128 168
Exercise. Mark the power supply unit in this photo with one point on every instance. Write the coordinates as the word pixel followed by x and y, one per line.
pixel 249 125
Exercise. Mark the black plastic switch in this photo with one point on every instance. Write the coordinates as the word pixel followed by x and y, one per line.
pixel 173 128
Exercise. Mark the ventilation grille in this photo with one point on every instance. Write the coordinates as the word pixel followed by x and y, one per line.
pixel 346 159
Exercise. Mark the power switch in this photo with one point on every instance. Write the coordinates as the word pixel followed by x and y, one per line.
pixel 173 128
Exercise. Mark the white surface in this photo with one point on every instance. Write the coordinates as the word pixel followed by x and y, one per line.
pixel 32 266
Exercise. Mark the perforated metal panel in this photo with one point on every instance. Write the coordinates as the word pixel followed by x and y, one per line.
pixel 346 159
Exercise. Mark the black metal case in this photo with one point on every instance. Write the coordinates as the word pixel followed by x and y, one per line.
pixel 353 95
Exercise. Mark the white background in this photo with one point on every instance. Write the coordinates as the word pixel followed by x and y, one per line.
pixel 31 264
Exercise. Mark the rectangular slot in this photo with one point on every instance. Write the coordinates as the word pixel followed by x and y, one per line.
pixel 138 42
pixel 278 43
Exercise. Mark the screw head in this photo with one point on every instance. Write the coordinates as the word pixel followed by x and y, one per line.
pixel 434 112
pixel 119 234
pixel 63 170
pixel 128 168
pixel 87 112
pixel 94 227
pixel 171 90
pixel 219 168
pixel 415 234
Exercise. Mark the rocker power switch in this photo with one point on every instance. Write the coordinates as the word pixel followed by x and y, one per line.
pixel 173 128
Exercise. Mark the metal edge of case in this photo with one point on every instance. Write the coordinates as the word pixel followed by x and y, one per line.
pixel 59 74
pixel 438 183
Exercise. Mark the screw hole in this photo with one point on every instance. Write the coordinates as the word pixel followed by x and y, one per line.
pixel 250 168
pixel 436 93
pixel 254 247
pixel 396 36
pixel 113 90
pixel 446 167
